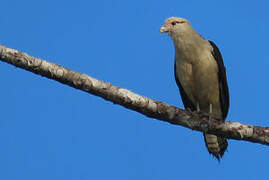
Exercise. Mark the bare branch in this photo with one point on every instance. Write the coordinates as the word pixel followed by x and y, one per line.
pixel 128 99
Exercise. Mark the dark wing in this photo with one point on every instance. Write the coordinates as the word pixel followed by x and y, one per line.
pixel 185 99
pixel 223 85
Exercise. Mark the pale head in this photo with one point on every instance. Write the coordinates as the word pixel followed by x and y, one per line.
pixel 175 26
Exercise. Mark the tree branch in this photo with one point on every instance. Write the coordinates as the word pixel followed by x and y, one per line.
pixel 149 107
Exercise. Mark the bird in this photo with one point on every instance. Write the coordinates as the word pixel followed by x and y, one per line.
pixel 200 75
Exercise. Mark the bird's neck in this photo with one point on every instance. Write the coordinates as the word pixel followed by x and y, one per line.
pixel 189 42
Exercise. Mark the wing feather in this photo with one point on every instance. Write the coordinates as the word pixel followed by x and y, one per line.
pixel 223 85
pixel 185 99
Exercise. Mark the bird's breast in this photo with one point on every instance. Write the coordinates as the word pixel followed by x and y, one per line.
pixel 198 75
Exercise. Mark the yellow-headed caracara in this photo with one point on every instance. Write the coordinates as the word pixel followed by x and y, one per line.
pixel 200 76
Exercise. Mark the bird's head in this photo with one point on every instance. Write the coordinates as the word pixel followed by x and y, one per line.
pixel 175 26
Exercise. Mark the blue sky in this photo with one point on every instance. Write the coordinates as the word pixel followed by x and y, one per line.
pixel 51 131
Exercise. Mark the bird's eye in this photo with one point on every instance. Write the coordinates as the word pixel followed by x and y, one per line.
pixel 174 23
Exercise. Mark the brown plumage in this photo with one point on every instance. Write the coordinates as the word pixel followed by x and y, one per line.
pixel 200 75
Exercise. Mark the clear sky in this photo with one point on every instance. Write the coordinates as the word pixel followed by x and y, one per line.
pixel 49 131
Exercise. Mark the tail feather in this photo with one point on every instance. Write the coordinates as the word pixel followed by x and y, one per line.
pixel 215 145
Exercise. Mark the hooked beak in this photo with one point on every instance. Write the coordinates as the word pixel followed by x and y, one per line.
pixel 163 29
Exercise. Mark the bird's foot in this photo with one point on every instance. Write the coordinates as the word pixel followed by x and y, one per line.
pixel 207 117
pixel 193 112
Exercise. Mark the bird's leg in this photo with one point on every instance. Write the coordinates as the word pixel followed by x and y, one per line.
pixel 197 107
pixel 210 108
pixel 195 111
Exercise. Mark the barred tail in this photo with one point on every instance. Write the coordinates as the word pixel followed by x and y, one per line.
pixel 215 145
